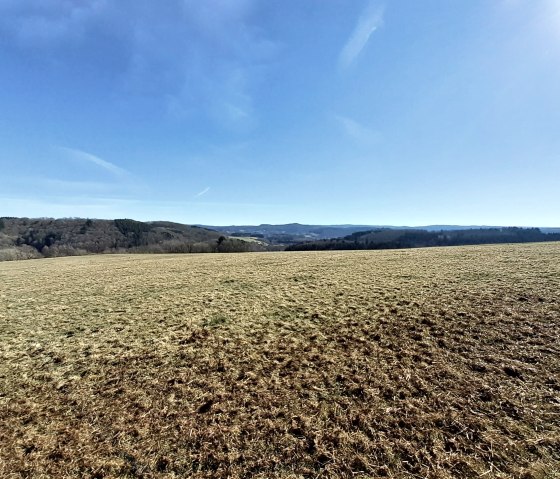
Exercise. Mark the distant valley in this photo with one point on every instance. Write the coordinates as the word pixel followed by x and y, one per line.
pixel 293 233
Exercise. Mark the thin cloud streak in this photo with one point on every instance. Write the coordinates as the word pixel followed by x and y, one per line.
pixel 203 192
pixel 88 157
pixel 357 131
pixel 369 22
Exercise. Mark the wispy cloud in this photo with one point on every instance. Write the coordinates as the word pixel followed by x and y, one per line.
pixel 89 158
pixel 357 131
pixel 370 20
pixel 35 23
pixel 197 58
pixel 203 192
pixel 214 73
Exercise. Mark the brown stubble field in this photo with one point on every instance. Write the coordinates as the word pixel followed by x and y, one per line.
pixel 427 363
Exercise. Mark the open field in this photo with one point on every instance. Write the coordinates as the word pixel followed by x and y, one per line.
pixel 428 363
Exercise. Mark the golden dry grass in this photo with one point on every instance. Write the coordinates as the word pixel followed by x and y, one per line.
pixel 429 363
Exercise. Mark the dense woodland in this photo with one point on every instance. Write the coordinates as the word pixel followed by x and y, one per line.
pixel 409 238
pixel 24 238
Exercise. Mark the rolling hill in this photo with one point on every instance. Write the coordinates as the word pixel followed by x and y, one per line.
pixel 24 238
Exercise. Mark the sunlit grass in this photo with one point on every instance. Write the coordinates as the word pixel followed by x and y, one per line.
pixel 435 363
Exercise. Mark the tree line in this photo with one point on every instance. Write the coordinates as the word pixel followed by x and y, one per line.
pixel 386 238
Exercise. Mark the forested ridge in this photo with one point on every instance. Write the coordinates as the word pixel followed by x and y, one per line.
pixel 386 238
pixel 26 238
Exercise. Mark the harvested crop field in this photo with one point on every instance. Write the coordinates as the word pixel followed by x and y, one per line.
pixel 428 363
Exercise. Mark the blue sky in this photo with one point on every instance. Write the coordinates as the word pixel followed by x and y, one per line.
pixel 244 111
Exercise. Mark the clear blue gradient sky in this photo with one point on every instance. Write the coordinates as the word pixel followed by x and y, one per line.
pixel 400 112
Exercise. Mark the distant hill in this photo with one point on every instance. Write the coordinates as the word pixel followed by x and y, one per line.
pixel 23 238
pixel 293 233
pixel 387 238
pixel 289 233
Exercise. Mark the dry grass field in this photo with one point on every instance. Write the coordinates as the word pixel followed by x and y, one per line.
pixel 428 363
